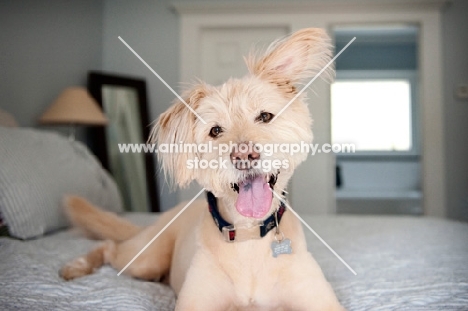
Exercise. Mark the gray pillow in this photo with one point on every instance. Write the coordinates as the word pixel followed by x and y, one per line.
pixel 37 169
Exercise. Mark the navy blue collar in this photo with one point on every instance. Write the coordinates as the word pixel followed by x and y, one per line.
pixel 230 231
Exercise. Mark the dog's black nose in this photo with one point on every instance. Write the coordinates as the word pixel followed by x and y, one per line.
pixel 243 155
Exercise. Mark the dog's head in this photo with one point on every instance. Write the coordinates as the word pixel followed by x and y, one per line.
pixel 235 139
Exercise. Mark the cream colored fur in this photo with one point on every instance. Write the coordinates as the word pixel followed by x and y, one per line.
pixel 206 272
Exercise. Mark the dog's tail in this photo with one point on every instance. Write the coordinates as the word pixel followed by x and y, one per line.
pixel 96 223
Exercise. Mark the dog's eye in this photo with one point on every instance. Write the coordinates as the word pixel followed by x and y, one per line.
pixel 264 117
pixel 215 131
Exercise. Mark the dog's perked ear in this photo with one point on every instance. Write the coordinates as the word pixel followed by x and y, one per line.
pixel 290 60
pixel 175 128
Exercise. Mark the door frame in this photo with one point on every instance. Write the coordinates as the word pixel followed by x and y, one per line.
pixel 313 185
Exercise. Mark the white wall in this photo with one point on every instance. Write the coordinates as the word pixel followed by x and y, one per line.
pixel 46 46
pixel 455 36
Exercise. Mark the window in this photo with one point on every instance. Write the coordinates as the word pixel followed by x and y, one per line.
pixel 374 113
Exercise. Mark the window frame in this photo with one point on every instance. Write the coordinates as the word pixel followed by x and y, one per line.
pixel 412 77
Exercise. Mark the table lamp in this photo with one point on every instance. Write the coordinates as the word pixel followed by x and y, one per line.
pixel 74 107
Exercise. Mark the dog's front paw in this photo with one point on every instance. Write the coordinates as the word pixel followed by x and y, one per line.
pixel 76 268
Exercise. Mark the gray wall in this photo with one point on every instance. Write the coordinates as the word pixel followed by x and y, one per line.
pixel 151 28
pixel 455 48
pixel 46 46
pixel 362 56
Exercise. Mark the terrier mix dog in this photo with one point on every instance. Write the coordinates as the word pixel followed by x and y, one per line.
pixel 242 250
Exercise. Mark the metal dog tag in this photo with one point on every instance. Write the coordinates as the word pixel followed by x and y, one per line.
pixel 281 247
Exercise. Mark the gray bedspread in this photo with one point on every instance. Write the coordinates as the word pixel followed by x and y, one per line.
pixel 402 263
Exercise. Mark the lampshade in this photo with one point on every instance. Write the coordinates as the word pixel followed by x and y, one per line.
pixel 74 106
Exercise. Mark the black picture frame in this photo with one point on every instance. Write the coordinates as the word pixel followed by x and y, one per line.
pixel 96 80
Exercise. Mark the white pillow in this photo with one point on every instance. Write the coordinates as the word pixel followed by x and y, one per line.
pixel 37 169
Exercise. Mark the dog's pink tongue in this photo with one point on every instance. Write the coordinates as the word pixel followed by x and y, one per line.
pixel 254 199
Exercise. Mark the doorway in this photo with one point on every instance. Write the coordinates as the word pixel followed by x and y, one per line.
pixel 375 109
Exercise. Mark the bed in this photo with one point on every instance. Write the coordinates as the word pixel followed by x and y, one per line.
pixel 402 263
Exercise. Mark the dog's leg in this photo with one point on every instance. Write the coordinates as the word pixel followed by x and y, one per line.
pixel 152 264
pixel 206 287
pixel 85 265
pixel 305 288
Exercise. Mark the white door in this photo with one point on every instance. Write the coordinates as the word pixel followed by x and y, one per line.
pixel 223 50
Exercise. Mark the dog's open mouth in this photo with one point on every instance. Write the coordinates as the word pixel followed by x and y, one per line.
pixel 254 195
